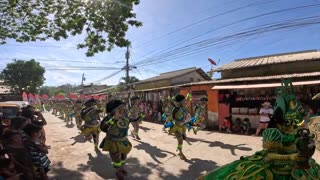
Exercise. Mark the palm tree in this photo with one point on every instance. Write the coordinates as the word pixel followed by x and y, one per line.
pixel 124 82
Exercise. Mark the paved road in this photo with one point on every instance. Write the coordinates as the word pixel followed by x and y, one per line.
pixel 154 157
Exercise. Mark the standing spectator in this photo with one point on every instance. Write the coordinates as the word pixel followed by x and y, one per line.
pixel 265 112
pixel 312 112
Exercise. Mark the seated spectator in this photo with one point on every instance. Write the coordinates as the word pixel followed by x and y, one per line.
pixel 245 126
pixel 38 151
pixel 236 128
pixel 226 124
pixel 18 153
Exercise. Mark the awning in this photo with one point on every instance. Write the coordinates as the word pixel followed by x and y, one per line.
pixel 269 85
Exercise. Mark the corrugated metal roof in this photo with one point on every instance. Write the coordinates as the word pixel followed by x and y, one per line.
pixel 173 74
pixel 282 76
pixel 271 59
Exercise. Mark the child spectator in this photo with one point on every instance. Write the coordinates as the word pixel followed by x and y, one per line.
pixel 38 151
pixel 226 124
pixel 245 126
pixel 237 126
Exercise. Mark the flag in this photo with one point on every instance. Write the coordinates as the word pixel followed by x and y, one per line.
pixel 212 61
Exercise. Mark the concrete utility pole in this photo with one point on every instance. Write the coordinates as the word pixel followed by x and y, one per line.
pixel 127 73
pixel 83 79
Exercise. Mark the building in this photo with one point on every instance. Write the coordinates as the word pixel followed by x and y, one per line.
pixel 246 83
pixel 90 89
pixel 6 94
pixel 167 84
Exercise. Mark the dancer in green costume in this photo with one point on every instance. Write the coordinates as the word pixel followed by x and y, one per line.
pixel 287 149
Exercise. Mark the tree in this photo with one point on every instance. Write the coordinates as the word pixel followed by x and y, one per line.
pixel 20 75
pixel 44 90
pixel 124 82
pixel 104 22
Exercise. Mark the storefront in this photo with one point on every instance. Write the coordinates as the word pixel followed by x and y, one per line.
pixel 244 101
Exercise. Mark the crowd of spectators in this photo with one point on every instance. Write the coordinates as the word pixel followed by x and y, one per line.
pixel 23 149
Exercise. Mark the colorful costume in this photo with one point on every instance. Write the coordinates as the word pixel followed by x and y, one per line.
pixel 135 116
pixel 90 116
pixel 197 122
pixel 116 127
pixel 76 113
pixel 287 149
pixel 167 109
pixel 179 115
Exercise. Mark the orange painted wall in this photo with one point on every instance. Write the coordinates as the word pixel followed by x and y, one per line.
pixel 212 95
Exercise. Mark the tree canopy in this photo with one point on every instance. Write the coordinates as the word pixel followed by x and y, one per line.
pixel 104 22
pixel 125 82
pixel 28 75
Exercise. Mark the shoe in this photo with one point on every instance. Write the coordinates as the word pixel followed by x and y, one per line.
pixel 137 137
pixel 132 134
pixel 124 171
pixel 120 175
pixel 195 131
pixel 182 156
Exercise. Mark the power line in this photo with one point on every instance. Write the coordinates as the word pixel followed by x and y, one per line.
pixel 209 18
pixel 243 20
pixel 228 39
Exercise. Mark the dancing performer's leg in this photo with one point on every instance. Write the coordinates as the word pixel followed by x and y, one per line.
pixel 117 164
pixel 95 136
pixel 135 131
pixel 180 138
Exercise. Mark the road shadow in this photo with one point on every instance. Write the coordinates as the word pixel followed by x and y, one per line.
pixel 196 168
pixel 101 164
pixel 154 152
pixel 230 147
pixel 70 125
pixel 78 139
pixel 58 172
pixel 145 129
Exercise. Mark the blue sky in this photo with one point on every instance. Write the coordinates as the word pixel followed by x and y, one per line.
pixel 160 19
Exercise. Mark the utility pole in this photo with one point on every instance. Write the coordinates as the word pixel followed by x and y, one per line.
pixel 127 74
pixel 83 79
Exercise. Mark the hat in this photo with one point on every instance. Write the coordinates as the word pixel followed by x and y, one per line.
pixel 113 105
pixel 179 98
pixel 134 98
pixel 266 104
pixel 204 99
pixel 90 102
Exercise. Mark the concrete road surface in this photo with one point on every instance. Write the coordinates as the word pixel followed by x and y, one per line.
pixel 154 157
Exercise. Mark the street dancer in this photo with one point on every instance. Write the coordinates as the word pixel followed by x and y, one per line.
pixel 77 111
pixel 116 126
pixel 90 115
pixel 198 121
pixel 167 109
pixel 135 116
pixel 179 115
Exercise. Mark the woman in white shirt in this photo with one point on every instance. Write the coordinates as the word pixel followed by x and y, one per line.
pixel 265 112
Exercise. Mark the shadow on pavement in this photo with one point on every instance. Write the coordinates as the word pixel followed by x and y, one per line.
pixel 153 151
pixel 70 125
pixel 58 172
pixel 196 168
pixel 222 145
pixel 101 164
pixel 145 129
pixel 78 139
